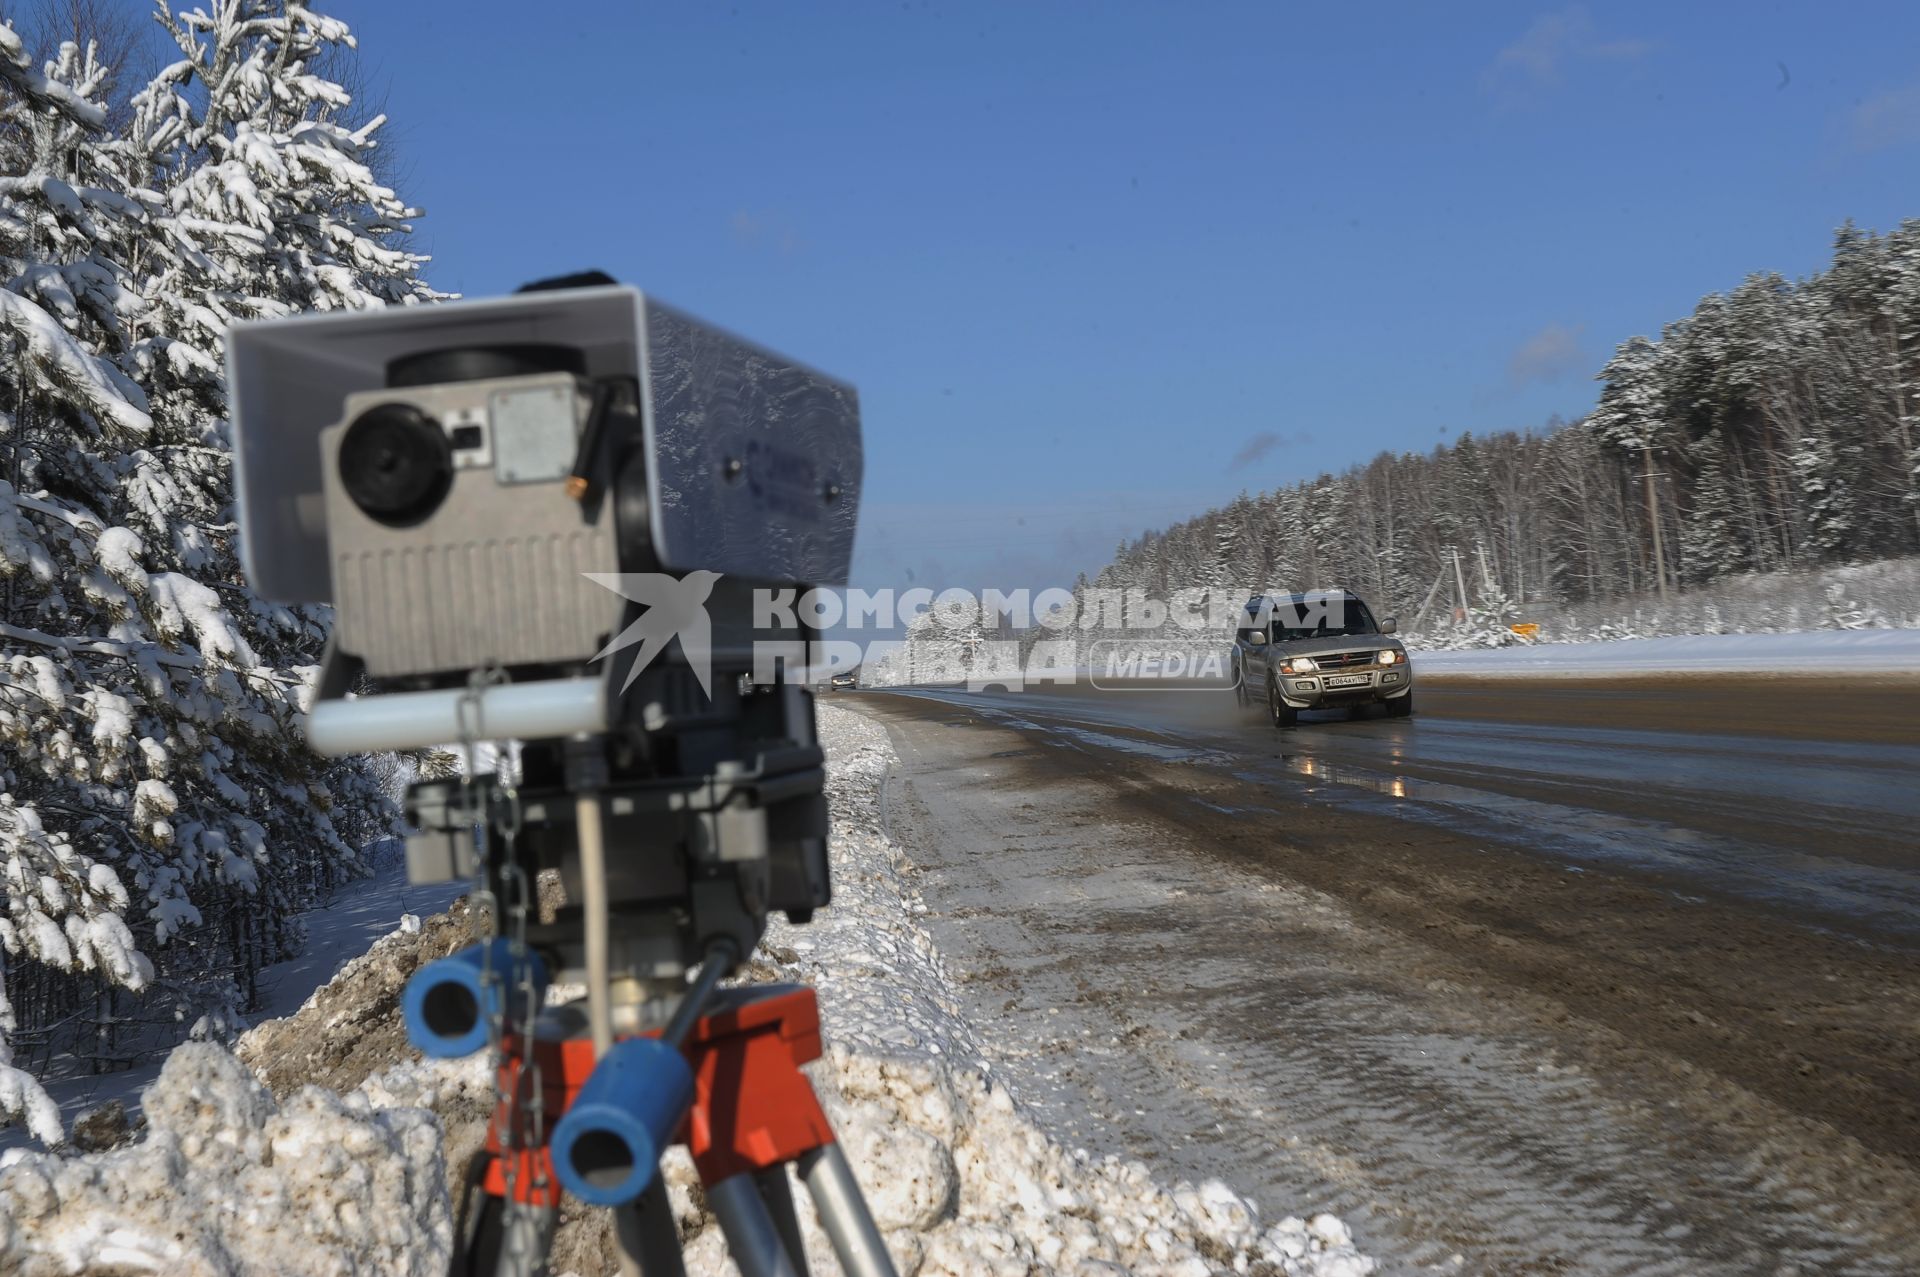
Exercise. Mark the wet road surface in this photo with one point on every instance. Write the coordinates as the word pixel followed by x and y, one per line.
pixel 1633 991
pixel 1828 829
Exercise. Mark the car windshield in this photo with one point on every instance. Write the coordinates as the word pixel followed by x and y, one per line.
pixel 1321 618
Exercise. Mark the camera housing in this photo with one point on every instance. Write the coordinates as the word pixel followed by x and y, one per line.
pixel 752 461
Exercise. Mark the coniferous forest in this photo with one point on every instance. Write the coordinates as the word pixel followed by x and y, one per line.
pixel 1780 420
pixel 162 822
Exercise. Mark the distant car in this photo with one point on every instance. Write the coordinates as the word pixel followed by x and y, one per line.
pixel 844 681
pixel 1320 649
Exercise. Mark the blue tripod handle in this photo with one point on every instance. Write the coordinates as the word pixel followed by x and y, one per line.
pixel 449 1003
pixel 606 1149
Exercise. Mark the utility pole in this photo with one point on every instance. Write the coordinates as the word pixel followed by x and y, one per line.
pixel 1653 517
pixel 1420 617
pixel 1459 578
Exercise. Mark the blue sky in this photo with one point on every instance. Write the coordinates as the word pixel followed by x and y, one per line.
pixel 1095 267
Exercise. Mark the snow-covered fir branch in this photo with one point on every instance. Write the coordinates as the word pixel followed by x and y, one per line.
pixel 161 821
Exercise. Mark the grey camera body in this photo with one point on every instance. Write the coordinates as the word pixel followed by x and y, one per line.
pixel 497 575
pixel 752 460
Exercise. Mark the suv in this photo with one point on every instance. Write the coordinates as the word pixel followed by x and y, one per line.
pixel 1319 650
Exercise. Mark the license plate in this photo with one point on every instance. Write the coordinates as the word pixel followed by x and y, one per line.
pixel 1349 680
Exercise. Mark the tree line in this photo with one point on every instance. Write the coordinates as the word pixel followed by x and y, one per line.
pixel 1773 427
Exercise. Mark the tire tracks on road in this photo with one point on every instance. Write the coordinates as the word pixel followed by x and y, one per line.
pixel 1162 979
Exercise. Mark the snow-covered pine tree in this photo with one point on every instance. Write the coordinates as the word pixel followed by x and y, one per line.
pixel 1711 544
pixel 1632 408
pixel 931 651
pixel 270 185
pixel 68 573
pixel 1827 498
pixel 162 820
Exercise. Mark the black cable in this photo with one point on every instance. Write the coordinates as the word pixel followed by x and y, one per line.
pixel 718 961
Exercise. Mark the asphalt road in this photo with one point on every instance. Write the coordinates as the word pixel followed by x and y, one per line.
pixel 1568 977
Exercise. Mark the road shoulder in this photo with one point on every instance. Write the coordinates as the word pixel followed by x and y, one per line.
pixel 1654 1076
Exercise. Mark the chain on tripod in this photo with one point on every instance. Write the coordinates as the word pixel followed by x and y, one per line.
pixel 519 1096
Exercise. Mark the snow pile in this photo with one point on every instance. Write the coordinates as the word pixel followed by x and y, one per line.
pixel 228 1181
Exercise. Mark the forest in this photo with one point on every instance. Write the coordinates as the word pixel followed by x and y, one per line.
pixel 162 823
pixel 1777 422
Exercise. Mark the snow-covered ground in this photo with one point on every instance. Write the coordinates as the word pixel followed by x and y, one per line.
pixel 229 1180
pixel 1812 652
pixel 358 915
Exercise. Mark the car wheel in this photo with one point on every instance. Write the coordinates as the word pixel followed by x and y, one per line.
pixel 1283 714
pixel 1401 708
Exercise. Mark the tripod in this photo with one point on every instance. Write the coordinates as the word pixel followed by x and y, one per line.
pixel 753 1114
pixel 718 816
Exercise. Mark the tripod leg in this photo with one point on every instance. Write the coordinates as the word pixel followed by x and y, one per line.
pixel 525 1234
pixel 647 1235
pixel 777 1191
pixel 751 1236
pixel 844 1214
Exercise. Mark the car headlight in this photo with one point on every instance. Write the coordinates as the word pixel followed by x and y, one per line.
pixel 1299 665
pixel 1389 657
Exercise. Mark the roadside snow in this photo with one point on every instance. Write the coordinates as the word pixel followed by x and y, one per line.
pixel 359 914
pixel 1810 652
pixel 229 1181
pixel 964 1181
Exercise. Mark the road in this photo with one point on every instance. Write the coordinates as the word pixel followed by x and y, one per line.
pixel 1555 977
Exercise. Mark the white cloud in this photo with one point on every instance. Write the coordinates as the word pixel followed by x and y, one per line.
pixel 1551 354
pixel 1539 58
pixel 1890 119
pixel 765 230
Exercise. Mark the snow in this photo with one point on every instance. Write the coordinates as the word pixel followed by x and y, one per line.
pixel 959 1178
pixel 182 604
pixel 16 67
pixel 94 384
pixel 228 1181
pixel 20 1093
pixel 1811 652
pixel 358 915
pixel 118 550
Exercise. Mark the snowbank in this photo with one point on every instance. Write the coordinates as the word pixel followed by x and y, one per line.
pixel 1809 652
pixel 966 1183
pixel 230 1182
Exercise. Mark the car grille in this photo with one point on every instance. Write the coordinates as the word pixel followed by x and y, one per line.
pixel 1341 660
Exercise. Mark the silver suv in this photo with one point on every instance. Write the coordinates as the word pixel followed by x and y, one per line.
pixel 1319 650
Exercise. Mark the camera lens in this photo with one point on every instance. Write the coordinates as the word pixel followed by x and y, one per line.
pixel 396 464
